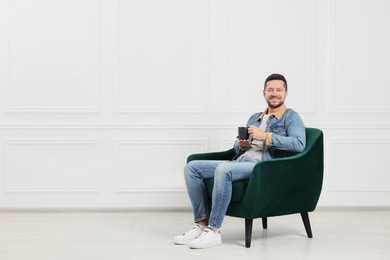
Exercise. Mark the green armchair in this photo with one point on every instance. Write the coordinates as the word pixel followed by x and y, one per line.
pixel 276 187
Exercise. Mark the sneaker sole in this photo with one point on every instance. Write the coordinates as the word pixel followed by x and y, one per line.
pixel 202 246
pixel 181 242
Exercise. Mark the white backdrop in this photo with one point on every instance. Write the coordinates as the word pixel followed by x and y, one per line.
pixel 102 101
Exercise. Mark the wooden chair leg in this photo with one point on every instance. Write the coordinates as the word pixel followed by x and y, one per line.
pixel 265 223
pixel 306 222
pixel 248 232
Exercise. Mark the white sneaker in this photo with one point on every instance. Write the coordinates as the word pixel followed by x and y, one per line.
pixel 187 237
pixel 208 238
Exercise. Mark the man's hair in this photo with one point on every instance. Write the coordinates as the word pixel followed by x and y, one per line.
pixel 276 76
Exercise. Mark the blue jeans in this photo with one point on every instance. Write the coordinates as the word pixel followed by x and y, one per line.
pixel 224 173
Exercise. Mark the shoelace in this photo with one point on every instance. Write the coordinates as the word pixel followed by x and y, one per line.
pixel 194 227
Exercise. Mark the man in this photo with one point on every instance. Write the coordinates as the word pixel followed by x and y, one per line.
pixel 277 132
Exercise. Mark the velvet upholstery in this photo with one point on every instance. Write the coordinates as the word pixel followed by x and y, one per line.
pixel 276 187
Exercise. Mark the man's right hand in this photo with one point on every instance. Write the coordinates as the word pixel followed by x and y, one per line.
pixel 244 144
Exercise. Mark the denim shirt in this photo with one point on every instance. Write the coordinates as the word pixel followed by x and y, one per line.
pixel 288 134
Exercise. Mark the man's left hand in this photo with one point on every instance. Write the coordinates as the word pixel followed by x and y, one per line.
pixel 256 133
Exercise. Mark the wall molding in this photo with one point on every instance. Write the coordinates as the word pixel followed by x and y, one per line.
pixel 114 126
pixel 202 109
pixel 94 109
pixel 118 188
pixel 9 189
pixel 168 126
pixel 332 107
pixel 333 187
pixel 310 109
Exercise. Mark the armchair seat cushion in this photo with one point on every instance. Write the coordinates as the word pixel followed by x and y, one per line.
pixel 238 189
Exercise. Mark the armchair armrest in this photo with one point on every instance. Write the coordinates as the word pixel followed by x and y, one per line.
pixel 285 185
pixel 225 155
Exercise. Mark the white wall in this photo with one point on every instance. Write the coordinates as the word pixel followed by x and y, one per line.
pixel 102 101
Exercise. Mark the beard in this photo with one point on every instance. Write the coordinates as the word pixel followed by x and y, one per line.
pixel 272 104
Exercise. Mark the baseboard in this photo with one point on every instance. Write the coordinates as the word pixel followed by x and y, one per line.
pixel 92 210
pixel 351 208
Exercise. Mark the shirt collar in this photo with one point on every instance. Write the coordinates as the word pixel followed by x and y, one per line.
pixel 278 113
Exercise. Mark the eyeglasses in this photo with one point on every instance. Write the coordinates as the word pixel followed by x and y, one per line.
pixel 271 90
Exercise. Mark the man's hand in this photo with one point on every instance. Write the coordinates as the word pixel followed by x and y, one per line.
pixel 244 144
pixel 256 133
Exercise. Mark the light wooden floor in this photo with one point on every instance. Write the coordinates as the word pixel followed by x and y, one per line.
pixel 135 235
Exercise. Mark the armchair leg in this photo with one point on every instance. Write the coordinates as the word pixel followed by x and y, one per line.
pixel 248 232
pixel 265 223
pixel 306 222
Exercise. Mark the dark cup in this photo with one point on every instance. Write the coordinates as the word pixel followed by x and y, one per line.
pixel 243 133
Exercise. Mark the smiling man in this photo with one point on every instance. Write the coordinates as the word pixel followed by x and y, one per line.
pixel 277 132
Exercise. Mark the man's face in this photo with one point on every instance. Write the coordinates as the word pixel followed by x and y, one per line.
pixel 275 93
